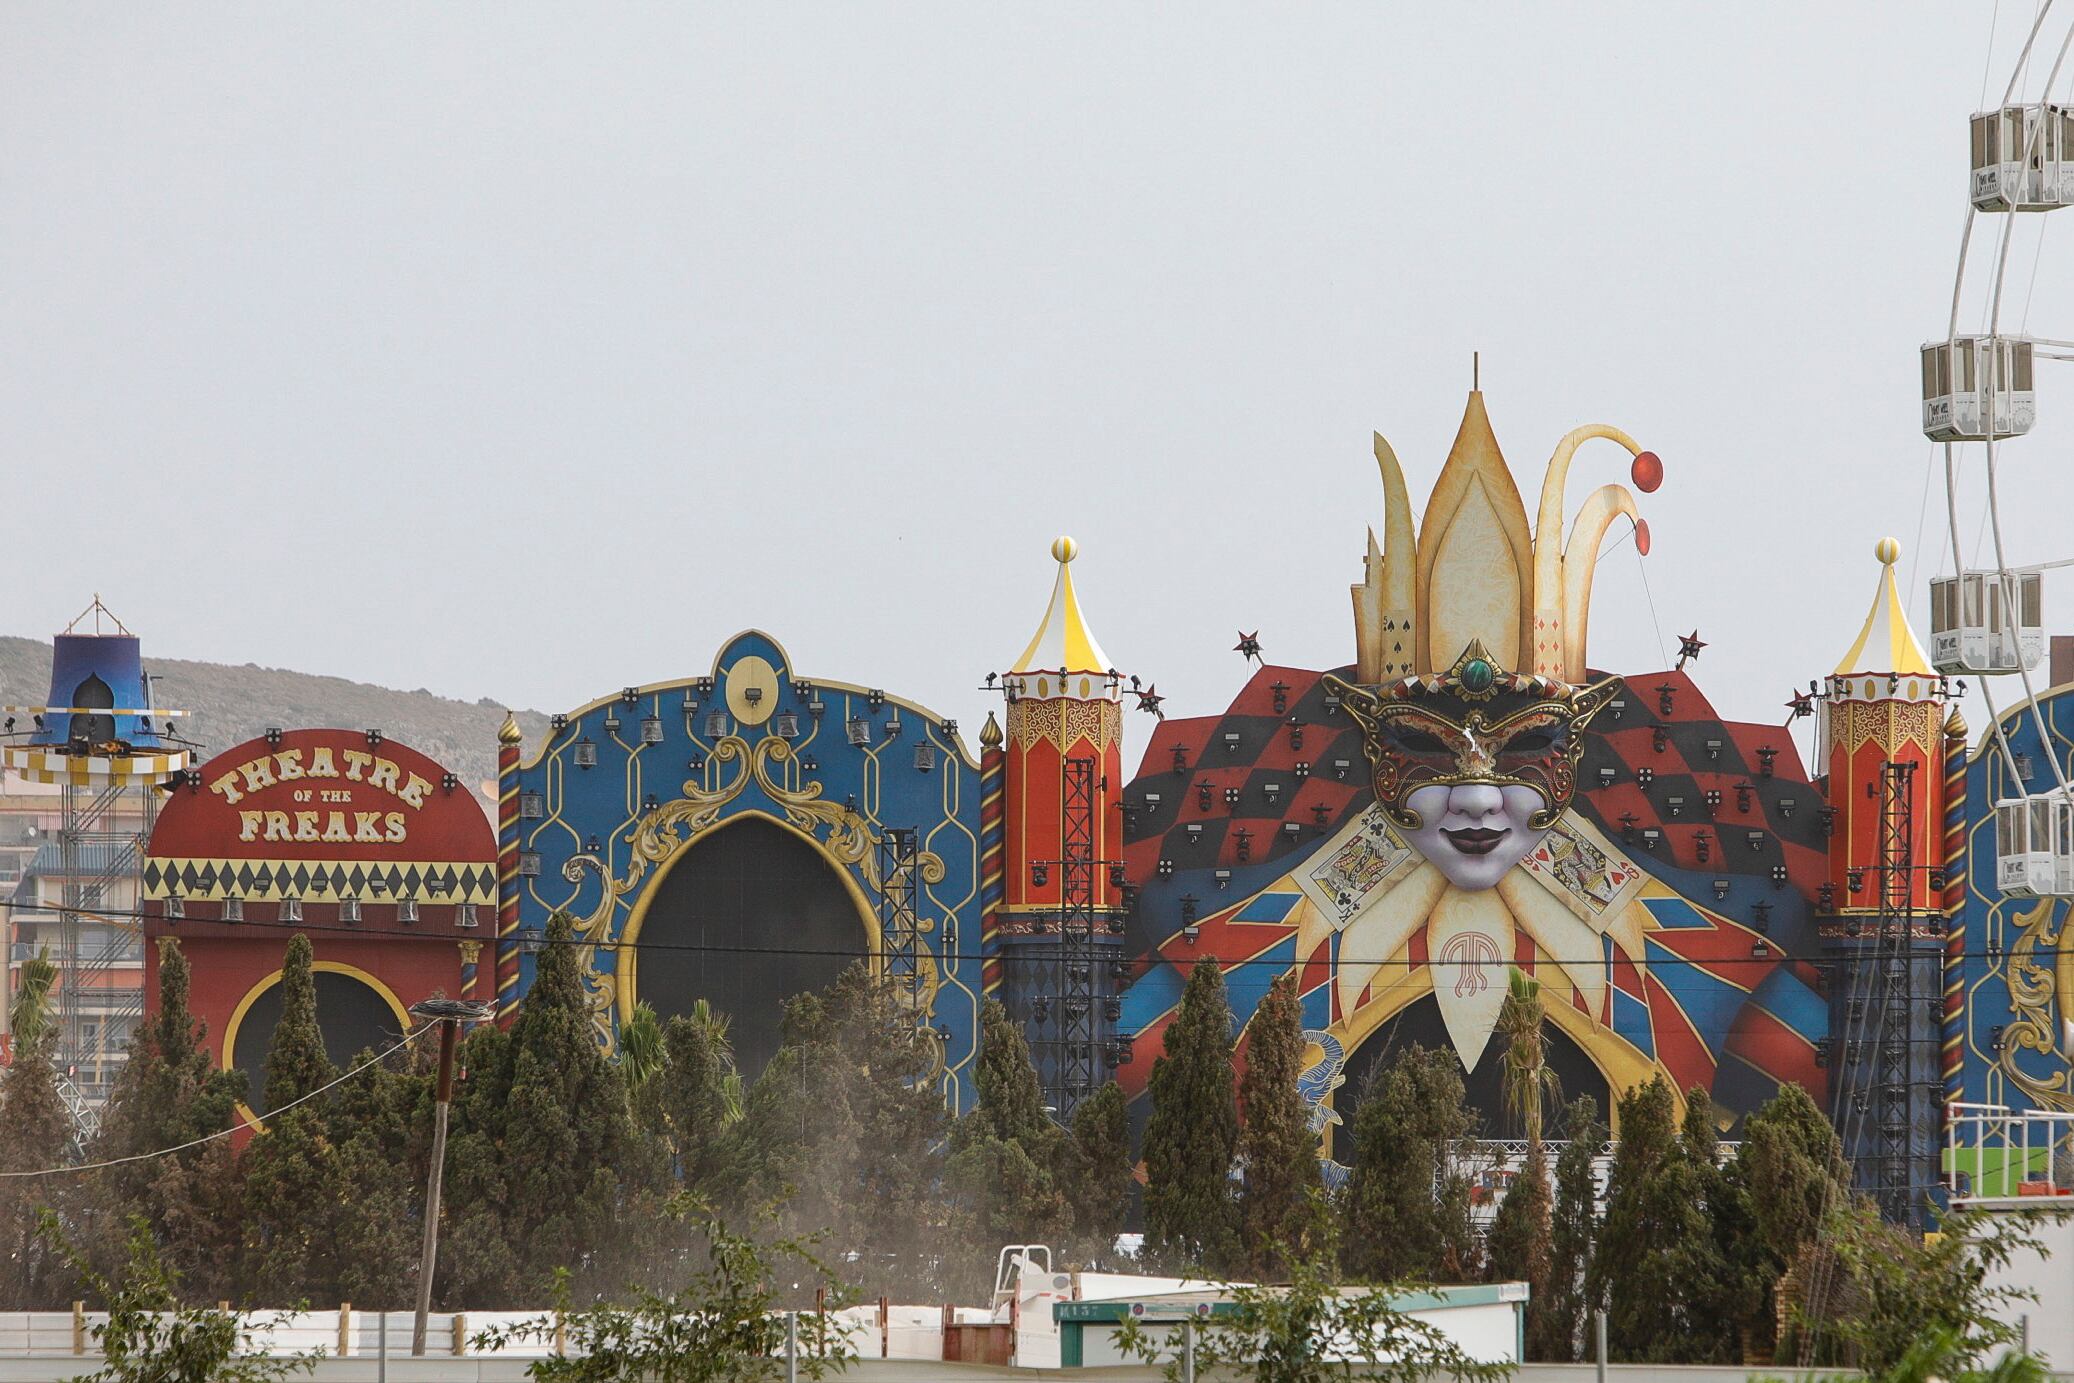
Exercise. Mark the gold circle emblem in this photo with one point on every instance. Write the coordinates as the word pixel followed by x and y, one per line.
pixel 752 690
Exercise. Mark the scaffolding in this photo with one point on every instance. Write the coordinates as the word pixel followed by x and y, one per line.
pixel 100 861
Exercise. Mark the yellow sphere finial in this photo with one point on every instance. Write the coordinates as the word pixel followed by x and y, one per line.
pixel 509 732
pixel 1064 549
pixel 1888 550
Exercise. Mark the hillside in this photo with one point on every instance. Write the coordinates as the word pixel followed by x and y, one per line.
pixel 232 704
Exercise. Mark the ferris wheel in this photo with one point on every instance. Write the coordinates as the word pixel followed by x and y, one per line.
pixel 1980 391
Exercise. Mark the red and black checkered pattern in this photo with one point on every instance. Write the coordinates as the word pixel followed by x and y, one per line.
pixel 1653 756
pixel 1294 761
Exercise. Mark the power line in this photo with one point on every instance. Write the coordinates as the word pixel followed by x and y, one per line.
pixel 1776 957
pixel 225 1133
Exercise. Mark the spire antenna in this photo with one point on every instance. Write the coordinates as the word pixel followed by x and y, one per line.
pixel 1476 370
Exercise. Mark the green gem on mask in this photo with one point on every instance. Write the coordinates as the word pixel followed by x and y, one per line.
pixel 1477 675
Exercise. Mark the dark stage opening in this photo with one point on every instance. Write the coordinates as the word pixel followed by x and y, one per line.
pixel 1420 1025
pixel 779 919
pixel 352 1016
pixel 93 694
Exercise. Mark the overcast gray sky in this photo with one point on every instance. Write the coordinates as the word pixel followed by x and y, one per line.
pixel 526 352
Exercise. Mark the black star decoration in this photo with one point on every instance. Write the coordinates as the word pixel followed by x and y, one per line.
pixel 1248 646
pixel 1149 699
pixel 1689 646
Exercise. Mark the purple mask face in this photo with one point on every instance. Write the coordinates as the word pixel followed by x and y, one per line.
pixel 1474 832
pixel 1474 769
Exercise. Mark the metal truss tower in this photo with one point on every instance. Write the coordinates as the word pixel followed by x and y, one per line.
pixel 1078 1022
pixel 899 924
pixel 1895 1089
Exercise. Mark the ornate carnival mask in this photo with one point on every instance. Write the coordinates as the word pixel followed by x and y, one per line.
pixel 1474 765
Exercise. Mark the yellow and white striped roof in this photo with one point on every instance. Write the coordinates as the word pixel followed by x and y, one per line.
pixel 47 765
pixel 1887 643
pixel 1064 643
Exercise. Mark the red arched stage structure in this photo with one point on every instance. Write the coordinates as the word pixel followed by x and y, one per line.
pixel 376 853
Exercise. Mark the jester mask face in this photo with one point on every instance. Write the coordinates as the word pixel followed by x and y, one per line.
pixel 1475 765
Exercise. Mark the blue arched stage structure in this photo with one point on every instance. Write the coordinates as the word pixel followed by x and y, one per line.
pixel 754 832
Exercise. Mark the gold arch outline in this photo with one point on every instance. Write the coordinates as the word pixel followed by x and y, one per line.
pixel 324 967
pixel 626 981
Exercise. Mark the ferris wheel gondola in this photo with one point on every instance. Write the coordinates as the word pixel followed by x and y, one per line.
pixel 2023 158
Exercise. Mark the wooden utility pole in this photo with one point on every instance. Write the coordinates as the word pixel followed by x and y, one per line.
pixel 449 1014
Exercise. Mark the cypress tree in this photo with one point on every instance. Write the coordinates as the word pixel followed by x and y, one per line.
pixel 1519 1246
pixel 1282 1202
pixel 1573 1231
pixel 792 1151
pixel 1656 1253
pixel 1009 1163
pixel 899 1111
pixel 1405 1212
pixel 380 1136
pixel 1792 1171
pixel 35 1133
pixel 169 1094
pixel 291 1248
pixel 542 1128
pixel 1192 1135
pixel 1005 1079
pixel 1723 1272
pixel 1461 1252
pixel 842 1135
pixel 296 1064
pixel 1102 1144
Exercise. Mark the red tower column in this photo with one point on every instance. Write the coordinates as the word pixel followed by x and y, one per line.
pixel 1058 931
pixel 1886 705
pixel 1065 703
pixel 1884 741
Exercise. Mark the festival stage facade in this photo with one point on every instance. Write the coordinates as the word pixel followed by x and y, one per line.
pixel 742 836
pixel 1467 794
pixel 376 853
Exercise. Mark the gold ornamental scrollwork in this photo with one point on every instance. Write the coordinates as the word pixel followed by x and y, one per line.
pixel 2035 990
pixel 848 837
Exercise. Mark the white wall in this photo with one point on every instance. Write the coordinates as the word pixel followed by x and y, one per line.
pixel 2048 1275
pixel 1487 1333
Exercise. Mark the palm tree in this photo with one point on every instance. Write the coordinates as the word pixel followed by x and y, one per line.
pixel 1528 1078
pixel 715 1025
pixel 642 1054
pixel 1522 1235
pixel 31 1014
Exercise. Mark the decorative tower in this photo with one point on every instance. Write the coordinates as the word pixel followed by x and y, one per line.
pixel 1059 925
pixel 108 749
pixel 1885 745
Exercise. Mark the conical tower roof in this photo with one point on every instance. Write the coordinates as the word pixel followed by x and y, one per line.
pixel 1063 642
pixel 1887 643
